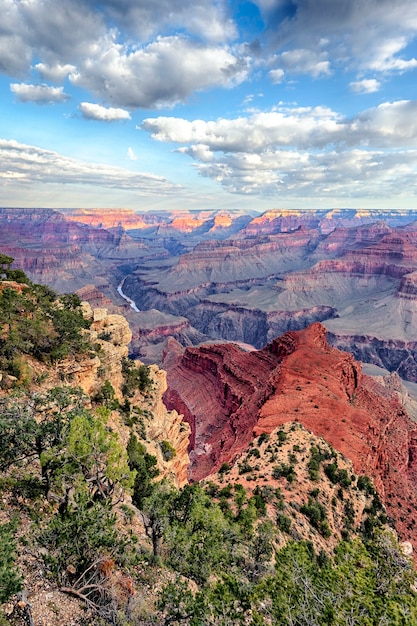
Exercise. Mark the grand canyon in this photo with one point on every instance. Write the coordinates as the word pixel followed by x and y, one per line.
pixel 234 277
pixel 295 325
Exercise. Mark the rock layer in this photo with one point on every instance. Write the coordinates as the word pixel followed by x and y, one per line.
pixel 228 396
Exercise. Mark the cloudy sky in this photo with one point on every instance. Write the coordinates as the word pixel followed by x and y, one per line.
pixel 208 104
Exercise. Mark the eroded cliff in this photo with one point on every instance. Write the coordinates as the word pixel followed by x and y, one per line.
pixel 229 396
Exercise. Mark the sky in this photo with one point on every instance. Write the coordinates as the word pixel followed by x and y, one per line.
pixel 210 104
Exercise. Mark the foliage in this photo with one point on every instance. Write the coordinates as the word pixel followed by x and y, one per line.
pixel 135 377
pixel 92 462
pixel 317 515
pixel 336 475
pixel 168 450
pixel 79 535
pixel 144 464
pixel 38 322
pixel 284 470
pixel 283 522
pixel 10 580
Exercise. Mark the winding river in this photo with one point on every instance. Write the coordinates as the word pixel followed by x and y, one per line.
pixel 129 300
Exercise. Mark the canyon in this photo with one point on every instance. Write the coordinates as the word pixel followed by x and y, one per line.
pixel 201 276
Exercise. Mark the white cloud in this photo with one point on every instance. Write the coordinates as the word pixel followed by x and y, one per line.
pixel 304 127
pixel 389 125
pixel 55 73
pixel 208 20
pixel 367 85
pixel 98 46
pixel 131 154
pixel 200 152
pixel 302 151
pixel 15 52
pixel 92 111
pixel 276 76
pixel 30 165
pixel 41 94
pixel 62 33
pixel 165 72
pixel 366 34
pixel 302 61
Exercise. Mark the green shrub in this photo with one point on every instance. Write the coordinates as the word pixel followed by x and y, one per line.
pixel 10 580
pixel 317 516
pixel 168 450
pixel 263 437
pixel 283 470
pixel 283 522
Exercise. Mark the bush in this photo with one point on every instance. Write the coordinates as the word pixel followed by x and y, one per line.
pixel 10 581
pixel 263 438
pixel 283 470
pixel 135 378
pixel 317 516
pixel 283 522
pixel 168 450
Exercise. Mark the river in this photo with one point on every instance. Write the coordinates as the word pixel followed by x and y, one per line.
pixel 129 300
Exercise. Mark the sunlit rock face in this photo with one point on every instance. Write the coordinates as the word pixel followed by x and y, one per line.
pixel 229 396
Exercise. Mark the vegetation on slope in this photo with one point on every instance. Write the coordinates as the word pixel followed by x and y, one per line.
pixel 83 510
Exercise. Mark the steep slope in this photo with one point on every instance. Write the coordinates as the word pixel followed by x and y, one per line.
pixel 229 396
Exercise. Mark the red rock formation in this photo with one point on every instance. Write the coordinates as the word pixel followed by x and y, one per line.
pixel 112 218
pixel 394 255
pixel 228 396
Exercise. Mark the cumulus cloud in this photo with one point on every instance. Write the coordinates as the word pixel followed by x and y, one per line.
pixel 304 127
pixel 367 85
pixel 40 94
pixel 165 72
pixel 15 52
pixel 301 150
pixel 62 32
pixel 106 46
pixel 356 33
pixel 31 164
pixel 346 174
pixel 92 111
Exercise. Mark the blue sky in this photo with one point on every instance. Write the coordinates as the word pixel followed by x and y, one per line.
pixel 214 104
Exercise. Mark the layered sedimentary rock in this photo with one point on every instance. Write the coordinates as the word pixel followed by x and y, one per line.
pixel 64 254
pixel 225 275
pixel 90 371
pixel 228 396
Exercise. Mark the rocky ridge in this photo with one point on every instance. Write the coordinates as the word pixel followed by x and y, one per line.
pixel 298 377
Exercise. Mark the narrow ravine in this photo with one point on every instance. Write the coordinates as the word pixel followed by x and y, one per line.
pixel 129 300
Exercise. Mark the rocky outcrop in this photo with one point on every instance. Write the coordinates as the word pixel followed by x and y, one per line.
pixel 408 286
pixel 394 255
pixel 62 253
pixel 229 396
pixel 111 334
pixel 113 218
pixel 163 425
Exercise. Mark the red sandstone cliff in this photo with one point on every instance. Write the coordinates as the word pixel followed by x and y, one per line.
pixel 229 396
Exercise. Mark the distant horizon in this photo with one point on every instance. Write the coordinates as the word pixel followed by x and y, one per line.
pixel 215 210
